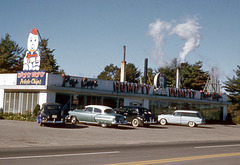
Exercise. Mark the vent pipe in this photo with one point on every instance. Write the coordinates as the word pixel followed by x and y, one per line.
pixel 178 78
pixel 145 70
pixel 123 66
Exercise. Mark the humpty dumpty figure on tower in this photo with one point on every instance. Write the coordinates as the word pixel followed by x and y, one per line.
pixel 32 59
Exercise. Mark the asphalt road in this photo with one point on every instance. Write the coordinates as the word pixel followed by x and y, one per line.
pixel 28 143
pixel 220 153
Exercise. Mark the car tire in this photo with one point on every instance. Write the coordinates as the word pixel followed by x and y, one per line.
pixel 104 125
pixel 191 124
pixel 163 121
pixel 135 122
pixel 73 119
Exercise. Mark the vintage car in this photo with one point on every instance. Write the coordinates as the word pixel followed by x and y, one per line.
pixel 137 115
pixel 186 117
pixel 51 113
pixel 98 114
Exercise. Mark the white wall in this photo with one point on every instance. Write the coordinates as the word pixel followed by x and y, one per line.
pixel 47 97
pixel 1 97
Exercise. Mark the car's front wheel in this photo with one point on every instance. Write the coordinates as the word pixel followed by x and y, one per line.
pixel 191 124
pixel 104 125
pixel 163 121
pixel 73 119
pixel 135 122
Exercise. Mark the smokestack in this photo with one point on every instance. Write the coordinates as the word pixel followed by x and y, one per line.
pixel 123 66
pixel 178 77
pixel 145 70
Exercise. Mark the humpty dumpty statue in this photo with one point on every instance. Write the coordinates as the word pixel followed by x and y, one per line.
pixel 32 59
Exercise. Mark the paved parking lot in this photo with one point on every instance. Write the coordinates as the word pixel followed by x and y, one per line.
pixel 30 134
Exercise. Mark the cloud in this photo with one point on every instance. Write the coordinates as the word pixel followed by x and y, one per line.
pixel 187 31
pixel 158 30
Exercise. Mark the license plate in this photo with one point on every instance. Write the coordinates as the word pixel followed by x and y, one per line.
pixel 54 116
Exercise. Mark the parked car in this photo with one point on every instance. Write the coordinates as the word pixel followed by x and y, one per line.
pixel 51 113
pixel 137 115
pixel 98 114
pixel 186 117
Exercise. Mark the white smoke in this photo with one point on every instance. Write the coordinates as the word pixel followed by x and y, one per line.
pixel 158 30
pixel 187 31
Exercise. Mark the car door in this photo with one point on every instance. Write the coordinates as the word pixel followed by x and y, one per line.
pixel 185 118
pixel 176 118
pixel 96 112
pixel 87 115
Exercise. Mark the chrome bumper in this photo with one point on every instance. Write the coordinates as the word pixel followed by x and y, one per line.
pixel 117 123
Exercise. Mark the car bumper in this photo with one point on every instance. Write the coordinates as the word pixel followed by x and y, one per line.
pixel 117 123
pixel 150 122
pixel 53 121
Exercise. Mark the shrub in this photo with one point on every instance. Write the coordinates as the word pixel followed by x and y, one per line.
pixel 36 110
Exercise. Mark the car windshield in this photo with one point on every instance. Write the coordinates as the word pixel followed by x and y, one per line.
pixel 53 107
pixel 109 111
pixel 145 111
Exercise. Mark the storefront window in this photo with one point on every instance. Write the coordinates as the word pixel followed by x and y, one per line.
pixel 208 111
pixel 20 102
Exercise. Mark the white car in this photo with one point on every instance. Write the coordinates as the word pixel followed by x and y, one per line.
pixel 185 117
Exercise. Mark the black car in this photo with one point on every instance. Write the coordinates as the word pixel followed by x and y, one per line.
pixel 52 113
pixel 136 115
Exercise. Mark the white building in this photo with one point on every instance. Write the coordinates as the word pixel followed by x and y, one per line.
pixel 18 96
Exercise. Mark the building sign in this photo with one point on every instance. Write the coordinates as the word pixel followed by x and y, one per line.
pixel 31 77
pixel 130 87
pixel 186 93
pixel 32 58
pixel 208 95
pixel 88 83
pixel 160 85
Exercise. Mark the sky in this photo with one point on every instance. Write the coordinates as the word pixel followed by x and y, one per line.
pixel 88 35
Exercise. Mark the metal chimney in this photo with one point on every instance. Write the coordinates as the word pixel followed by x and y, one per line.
pixel 178 77
pixel 123 66
pixel 145 70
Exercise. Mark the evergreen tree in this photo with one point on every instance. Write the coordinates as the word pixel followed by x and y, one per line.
pixel 191 76
pixel 10 55
pixel 132 73
pixel 232 85
pixel 48 63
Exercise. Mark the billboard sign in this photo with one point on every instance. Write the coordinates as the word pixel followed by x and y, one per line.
pixel 31 77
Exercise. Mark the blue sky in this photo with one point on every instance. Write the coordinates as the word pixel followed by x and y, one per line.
pixel 87 35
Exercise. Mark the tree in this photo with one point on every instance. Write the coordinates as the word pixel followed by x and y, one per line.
pixel 48 63
pixel 232 85
pixel 132 73
pixel 150 76
pixel 10 55
pixel 109 73
pixel 112 72
pixel 191 76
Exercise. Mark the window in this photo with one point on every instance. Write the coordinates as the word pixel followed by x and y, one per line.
pixel 190 114
pixel 109 111
pixel 96 110
pixel 89 109
pixel 17 102
pixel 177 114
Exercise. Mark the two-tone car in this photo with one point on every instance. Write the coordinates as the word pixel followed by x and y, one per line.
pixel 96 114
pixel 185 117
pixel 137 115
pixel 51 113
